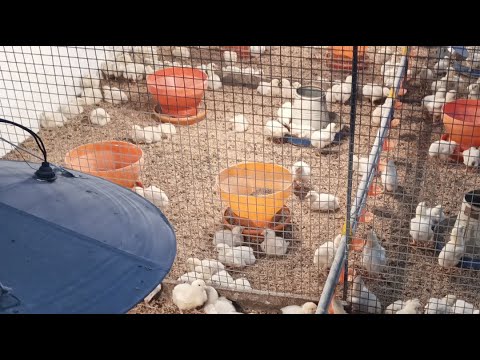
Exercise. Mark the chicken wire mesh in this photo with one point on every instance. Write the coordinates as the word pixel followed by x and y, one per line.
pixel 214 136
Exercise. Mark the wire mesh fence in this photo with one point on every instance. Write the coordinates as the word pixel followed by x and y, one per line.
pixel 246 151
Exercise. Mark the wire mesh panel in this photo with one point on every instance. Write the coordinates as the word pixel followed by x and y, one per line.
pixel 246 151
pixel 417 249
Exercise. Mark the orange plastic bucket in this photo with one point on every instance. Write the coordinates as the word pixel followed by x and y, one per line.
pixel 461 119
pixel 241 188
pixel 116 161
pixel 178 90
pixel 347 52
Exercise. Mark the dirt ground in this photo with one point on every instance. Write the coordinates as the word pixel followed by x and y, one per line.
pixel 186 167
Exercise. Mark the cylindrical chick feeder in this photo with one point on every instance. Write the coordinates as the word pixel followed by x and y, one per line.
pixel 469 217
pixel 309 109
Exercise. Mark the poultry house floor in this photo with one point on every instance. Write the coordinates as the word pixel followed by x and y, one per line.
pixel 186 167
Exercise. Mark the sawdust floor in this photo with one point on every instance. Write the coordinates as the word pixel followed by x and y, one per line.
pixel 186 167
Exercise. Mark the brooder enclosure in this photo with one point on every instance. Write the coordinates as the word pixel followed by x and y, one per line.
pixel 255 155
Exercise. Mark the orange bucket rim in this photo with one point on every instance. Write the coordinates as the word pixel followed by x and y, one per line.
pixel 68 156
pixel 151 79
pixel 217 178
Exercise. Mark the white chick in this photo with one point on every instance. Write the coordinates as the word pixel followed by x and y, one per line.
pixel 114 95
pixel 439 84
pixel 363 300
pixel 434 103
pixel 378 113
pixel 360 165
pixel 212 295
pixel 394 307
pixel 324 137
pixel 153 132
pixel 463 307
pixel 471 157
pixel 70 110
pixel 257 50
pixel 375 92
pixel 216 304
pixel 474 91
pixel 284 113
pixel 181 52
pixel 269 89
pixel 275 88
pixel 239 123
pixel 232 237
pixel 239 256
pixel 338 307
pixel 112 68
pixel 273 244
pixel 91 96
pixel 346 90
pixel 90 81
pixel 154 195
pixel 264 88
pixel 443 149
pixel 325 253
pixel 274 129
pixel 287 90
pixel 206 267
pixel 230 57
pixel 450 299
pixel 189 296
pixel 50 120
pixel 442 65
pixel 190 277
pixel 241 284
pixel 333 95
pixel 389 177
pixel 421 225
pixel 301 171
pixel 422 74
pixel 209 67
pixel 307 308
pixel 144 53
pixel 438 306
pixel 450 96
pixel 221 279
pixel 221 306
pixel 213 81
pixel 453 250
pixel 149 69
pixel 410 307
pixel 374 257
pixel 99 117
pixel 322 201
pixel 167 130
pixel 134 72
pixel 139 135
pixel 435 214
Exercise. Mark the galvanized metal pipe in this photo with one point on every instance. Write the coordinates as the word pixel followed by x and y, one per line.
pixel 362 193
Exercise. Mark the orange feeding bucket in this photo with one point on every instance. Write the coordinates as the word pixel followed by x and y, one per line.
pixel 116 161
pixel 347 52
pixel 342 57
pixel 462 122
pixel 178 90
pixel 255 191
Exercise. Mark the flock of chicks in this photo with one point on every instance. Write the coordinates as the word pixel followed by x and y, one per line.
pixel 373 259
pixel 196 290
